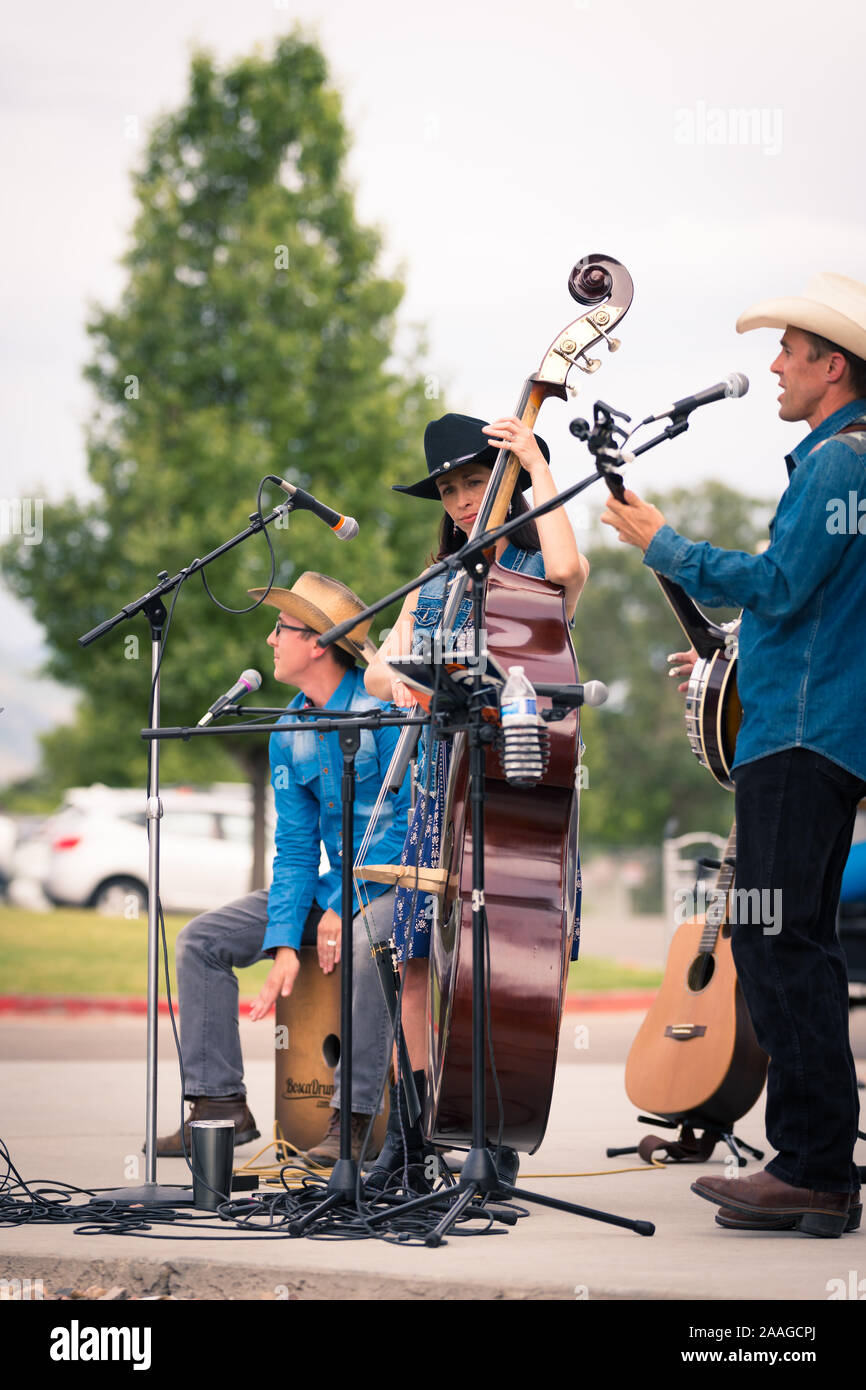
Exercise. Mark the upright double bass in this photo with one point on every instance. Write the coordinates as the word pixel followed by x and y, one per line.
pixel 530 835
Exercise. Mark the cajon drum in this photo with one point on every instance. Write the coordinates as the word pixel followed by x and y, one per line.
pixel 307 1050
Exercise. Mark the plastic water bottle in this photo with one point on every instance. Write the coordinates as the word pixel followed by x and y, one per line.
pixel 522 758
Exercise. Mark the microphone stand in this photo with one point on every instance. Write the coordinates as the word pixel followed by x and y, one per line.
pixel 600 441
pixel 479 1177
pixel 604 444
pixel 152 605
pixel 343 1181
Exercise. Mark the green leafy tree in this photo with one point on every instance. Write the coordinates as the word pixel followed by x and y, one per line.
pixel 254 335
pixel 641 771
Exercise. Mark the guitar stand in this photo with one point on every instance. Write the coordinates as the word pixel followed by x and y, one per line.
pixel 688 1147
pixel 479 1178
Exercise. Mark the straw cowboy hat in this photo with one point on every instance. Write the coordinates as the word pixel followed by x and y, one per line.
pixel 452 441
pixel 320 603
pixel 832 306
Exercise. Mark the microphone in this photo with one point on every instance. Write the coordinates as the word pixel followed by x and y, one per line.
pixel 734 385
pixel 345 528
pixel 404 753
pixel 247 682
pixel 592 693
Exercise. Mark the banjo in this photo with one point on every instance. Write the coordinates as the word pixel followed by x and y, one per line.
pixel 713 709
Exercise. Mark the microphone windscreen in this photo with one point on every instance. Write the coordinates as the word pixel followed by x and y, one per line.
pixel 595 693
pixel 738 384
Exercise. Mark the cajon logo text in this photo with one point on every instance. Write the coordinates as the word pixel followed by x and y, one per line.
pixel 306 1090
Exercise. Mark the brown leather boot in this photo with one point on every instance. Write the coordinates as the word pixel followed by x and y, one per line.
pixel 766 1198
pixel 211 1108
pixel 739 1221
pixel 327 1151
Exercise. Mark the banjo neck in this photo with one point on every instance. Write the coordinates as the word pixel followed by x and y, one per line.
pixel 704 635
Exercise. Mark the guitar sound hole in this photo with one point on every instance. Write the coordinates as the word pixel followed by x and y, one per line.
pixel 700 972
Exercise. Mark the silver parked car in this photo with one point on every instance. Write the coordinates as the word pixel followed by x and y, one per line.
pixel 96 852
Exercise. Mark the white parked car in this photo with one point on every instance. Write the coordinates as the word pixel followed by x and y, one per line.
pixel 97 851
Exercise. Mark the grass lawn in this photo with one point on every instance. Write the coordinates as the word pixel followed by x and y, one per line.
pixel 76 952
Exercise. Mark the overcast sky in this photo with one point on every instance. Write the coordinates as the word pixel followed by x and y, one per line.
pixel 716 151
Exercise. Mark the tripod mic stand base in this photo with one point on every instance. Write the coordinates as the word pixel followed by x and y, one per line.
pixel 344 1178
pixel 480 1170
pixel 342 1186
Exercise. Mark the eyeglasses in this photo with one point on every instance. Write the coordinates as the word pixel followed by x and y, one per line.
pixel 287 627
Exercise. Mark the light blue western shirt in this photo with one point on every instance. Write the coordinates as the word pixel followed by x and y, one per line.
pixel 306 774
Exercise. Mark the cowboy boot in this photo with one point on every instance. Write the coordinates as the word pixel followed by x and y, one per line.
pixel 211 1108
pixel 404 1147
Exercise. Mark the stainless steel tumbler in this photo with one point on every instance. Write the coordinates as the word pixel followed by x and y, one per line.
pixel 212 1150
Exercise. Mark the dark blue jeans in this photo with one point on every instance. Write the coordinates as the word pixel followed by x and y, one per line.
pixel 795 819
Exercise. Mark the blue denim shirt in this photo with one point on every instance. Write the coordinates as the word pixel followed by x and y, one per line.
pixel 306 773
pixel 802 660
pixel 428 610
pixel 428 617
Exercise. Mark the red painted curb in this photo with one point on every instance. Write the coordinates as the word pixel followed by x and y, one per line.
pixel 609 1001
pixel 600 1002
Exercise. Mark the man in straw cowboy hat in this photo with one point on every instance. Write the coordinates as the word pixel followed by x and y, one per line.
pixel 303 905
pixel 800 766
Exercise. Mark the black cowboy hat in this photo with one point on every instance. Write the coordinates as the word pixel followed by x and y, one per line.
pixel 453 441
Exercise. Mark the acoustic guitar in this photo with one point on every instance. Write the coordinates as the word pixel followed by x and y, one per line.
pixel 696 1059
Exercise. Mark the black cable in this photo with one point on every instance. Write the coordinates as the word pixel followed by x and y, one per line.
pixel 259 601
pixel 278 1212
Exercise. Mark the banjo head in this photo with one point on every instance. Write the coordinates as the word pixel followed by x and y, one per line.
pixel 713 715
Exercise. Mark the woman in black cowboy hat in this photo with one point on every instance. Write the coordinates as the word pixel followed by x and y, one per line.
pixel 460 453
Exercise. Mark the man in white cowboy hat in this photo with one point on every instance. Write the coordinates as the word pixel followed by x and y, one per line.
pixel 800 766
pixel 303 905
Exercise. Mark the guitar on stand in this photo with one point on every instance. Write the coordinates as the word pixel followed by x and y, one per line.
pixel 696 1061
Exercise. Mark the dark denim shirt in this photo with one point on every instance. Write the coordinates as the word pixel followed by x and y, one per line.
pixel 802 659
pixel 306 772
pixel 428 617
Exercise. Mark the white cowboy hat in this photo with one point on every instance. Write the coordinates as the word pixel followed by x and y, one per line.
pixel 321 603
pixel 832 306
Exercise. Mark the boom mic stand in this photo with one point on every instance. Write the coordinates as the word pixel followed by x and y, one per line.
pixel 152 605
pixel 479 1178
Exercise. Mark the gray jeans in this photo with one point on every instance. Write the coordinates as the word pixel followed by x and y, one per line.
pixel 211 946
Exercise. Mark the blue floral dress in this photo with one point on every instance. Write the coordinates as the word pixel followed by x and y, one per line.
pixel 413 910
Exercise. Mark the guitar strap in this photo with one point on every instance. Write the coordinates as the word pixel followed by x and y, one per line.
pixel 856 427
pixel 687 1148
